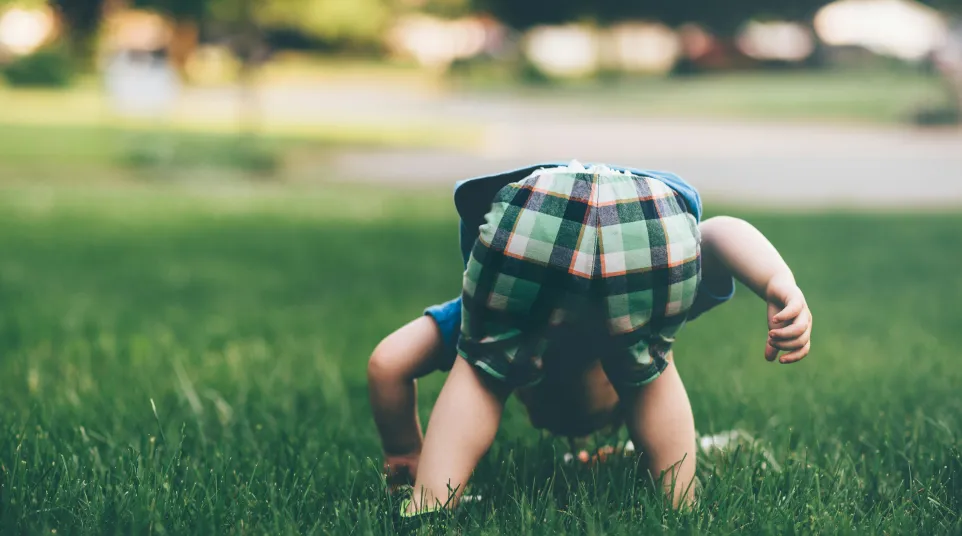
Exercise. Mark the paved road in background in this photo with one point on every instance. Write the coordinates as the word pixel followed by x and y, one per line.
pixel 745 162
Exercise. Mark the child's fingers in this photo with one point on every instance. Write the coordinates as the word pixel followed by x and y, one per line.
pixel 798 328
pixel 788 333
pixel 797 355
pixel 792 309
pixel 771 353
pixel 788 346
pixel 796 343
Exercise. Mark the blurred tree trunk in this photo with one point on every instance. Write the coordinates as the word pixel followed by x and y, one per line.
pixel 81 20
pixel 948 60
pixel 249 47
pixel 949 63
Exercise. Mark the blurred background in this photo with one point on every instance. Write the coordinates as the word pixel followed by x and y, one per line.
pixel 804 100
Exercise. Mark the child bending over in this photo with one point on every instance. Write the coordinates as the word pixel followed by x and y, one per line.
pixel 577 281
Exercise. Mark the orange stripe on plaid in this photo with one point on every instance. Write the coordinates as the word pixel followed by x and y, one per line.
pixel 581 234
pixel 677 264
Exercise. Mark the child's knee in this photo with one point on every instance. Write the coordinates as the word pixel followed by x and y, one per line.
pixel 387 365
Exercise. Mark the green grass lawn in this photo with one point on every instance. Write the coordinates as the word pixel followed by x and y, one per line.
pixel 34 146
pixel 193 362
pixel 75 127
pixel 863 96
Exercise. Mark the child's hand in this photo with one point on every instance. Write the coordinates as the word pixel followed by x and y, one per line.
pixel 789 321
pixel 400 471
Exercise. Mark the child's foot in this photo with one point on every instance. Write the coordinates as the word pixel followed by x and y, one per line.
pixel 410 523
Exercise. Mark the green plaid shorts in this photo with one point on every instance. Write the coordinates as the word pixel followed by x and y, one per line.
pixel 561 250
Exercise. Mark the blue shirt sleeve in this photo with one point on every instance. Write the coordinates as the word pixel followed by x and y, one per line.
pixel 447 316
pixel 706 301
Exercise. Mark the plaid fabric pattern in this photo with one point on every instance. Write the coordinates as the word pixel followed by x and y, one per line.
pixel 562 246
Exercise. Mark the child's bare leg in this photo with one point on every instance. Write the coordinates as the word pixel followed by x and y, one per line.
pixel 401 358
pixel 463 425
pixel 662 427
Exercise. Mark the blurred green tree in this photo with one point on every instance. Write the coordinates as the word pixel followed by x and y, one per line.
pixel 442 8
pixel 953 7
pixel 25 3
pixel 724 18
pixel 178 9
pixel 349 22
pixel 524 15
pixel 353 22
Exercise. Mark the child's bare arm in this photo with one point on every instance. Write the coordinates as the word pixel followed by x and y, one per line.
pixel 733 247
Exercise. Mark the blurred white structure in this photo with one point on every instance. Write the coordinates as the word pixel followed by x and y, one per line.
pixel 436 42
pixel 141 84
pixel 899 28
pixel 780 40
pixel 564 51
pixel 641 47
pixel 139 78
pixel 576 50
pixel 571 50
pixel 24 30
